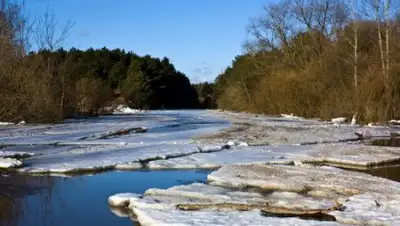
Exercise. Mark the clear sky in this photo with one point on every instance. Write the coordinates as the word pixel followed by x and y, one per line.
pixel 200 37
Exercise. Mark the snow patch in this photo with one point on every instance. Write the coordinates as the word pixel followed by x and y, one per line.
pixel 6 123
pixel 122 109
pixel 9 163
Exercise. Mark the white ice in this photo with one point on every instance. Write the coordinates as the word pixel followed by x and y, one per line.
pixel 158 206
pixel 97 157
pixel 370 209
pixel 122 109
pixel 176 139
pixel 6 123
pixel 122 199
pixel 367 200
pixel 171 217
pixel 9 163
pixel 235 155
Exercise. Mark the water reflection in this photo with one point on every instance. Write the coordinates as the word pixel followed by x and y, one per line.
pixel 80 200
pixel 15 191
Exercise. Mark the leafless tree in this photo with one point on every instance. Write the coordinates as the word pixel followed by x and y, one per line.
pixel 48 38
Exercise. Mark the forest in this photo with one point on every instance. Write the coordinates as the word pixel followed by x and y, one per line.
pixel 313 58
pixel 318 58
pixel 52 84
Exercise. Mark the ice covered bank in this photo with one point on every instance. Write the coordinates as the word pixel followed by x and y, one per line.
pixel 264 130
pixel 271 195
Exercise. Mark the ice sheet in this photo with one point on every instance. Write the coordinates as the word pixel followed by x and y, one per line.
pixel 370 209
pixel 235 155
pixel 98 157
pixel 264 130
pixel 156 217
pixel 349 155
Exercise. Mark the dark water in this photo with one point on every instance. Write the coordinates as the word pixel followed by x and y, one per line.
pixel 388 172
pixel 392 142
pixel 81 200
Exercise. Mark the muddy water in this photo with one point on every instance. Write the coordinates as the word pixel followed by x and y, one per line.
pixel 80 200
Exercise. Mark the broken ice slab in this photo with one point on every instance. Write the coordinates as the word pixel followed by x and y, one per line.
pixel 122 199
pixel 102 157
pixel 234 155
pixel 301 179
pixel 370 209
pixel 351 188
pixel 351 156
pixel 211 201
pixel 173 217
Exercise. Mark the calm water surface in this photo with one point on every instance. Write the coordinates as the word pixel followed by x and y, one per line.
pixel 80 200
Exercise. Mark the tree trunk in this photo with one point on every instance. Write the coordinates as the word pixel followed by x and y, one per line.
pixel 387 38
pixel 378 22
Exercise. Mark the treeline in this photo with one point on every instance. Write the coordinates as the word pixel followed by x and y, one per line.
pixel 320 58
pixel 52 83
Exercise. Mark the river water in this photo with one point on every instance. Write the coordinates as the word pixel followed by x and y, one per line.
pixel 80 200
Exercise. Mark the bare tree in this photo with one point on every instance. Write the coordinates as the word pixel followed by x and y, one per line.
pixel 46 32
pixel 48 38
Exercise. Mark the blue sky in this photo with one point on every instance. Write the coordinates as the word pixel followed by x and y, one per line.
pixel 200 37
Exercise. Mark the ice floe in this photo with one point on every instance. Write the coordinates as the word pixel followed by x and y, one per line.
pixel 348 155
pixel 156 217
pixel 366 200
pixel 215 205
pixel 301 179
pixel 98 157
pixel 235 155
pixel 122 199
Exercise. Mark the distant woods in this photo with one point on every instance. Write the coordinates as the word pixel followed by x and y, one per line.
pixel 318 58
pixel 51 84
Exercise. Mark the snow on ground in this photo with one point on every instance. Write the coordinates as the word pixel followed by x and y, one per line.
pixel 6 123
pixel 122 109
pixel 9 163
